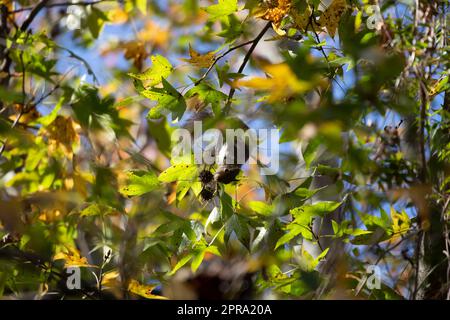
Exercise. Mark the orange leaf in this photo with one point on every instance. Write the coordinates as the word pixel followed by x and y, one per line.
pixel 143 290
pixel 200 60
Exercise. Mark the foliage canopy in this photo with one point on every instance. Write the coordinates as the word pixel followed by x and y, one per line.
pixel 92 92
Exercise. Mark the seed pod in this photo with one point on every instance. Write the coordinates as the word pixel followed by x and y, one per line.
pixel 227 173
pixel 205 176
pixel 207 192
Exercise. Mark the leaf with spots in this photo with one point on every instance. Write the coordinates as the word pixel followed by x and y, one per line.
pixel 180 171
pixel 332 15
pixel 274 11
pixel 160 69
pixel 139 182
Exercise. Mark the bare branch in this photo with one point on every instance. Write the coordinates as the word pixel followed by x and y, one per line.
pixel 226 109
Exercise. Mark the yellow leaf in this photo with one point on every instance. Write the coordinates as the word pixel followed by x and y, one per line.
pixel 332 15
pixel 302 20
pixel 118 15
pixel 135 50
pixel 72 258
pixel 62 133
pixel 155 35
pixel 8 4
pixel 142 6
pixel 400 223
pixel 109 279
pixel 200 60
pixel 49 215
pixel 143 290
pixel 282 84
pixel 274 11
pixel 438 85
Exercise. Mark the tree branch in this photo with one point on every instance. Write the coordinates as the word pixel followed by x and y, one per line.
pixel 220 57
pixel 61 4
pixel 226 109
pixel 34 12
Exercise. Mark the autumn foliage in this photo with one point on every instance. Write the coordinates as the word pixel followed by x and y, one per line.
pixel 93 92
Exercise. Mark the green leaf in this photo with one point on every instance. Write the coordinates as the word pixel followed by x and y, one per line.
pixel 301 225
pixel 213 217
pixel 169 100
pixel 49 118
pixel 95 21
pixel 199 255
pixel 160 132
pixel 306 193
pixel 10 96
pixel 207 95
pixel 179 171
pixel 310 152
pixel 322 255
pixel 335 226
pixel 161 68
pixel 370 237
pixel 293 231
pixel 239 226
pixel 226 206
pixel 183 187
pixel 222 9
pixel 127 101
pixel 197 260
pixel 139 182
pixel 95 113
pixel 181 263
pixel 261 207
pixel 231 28
pixel 97 209
pixel 320 209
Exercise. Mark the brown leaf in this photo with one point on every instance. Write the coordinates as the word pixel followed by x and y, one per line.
pixel 200 60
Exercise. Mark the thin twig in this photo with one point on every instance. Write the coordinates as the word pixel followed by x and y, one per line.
pixel 34 12
pixel 61 4
pixel 220 57
pixel 244 63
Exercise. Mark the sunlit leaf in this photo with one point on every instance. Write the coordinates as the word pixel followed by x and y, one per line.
pixel 143 290
pixel 161 68
pixel 97 209
pixel 281 84
pixel 72 258
pixel 331 16
pixel 200 60
pixel 179 171
pixel 139 182
pixel 221 9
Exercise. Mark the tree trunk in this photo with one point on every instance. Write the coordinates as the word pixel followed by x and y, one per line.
pixel 432 278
